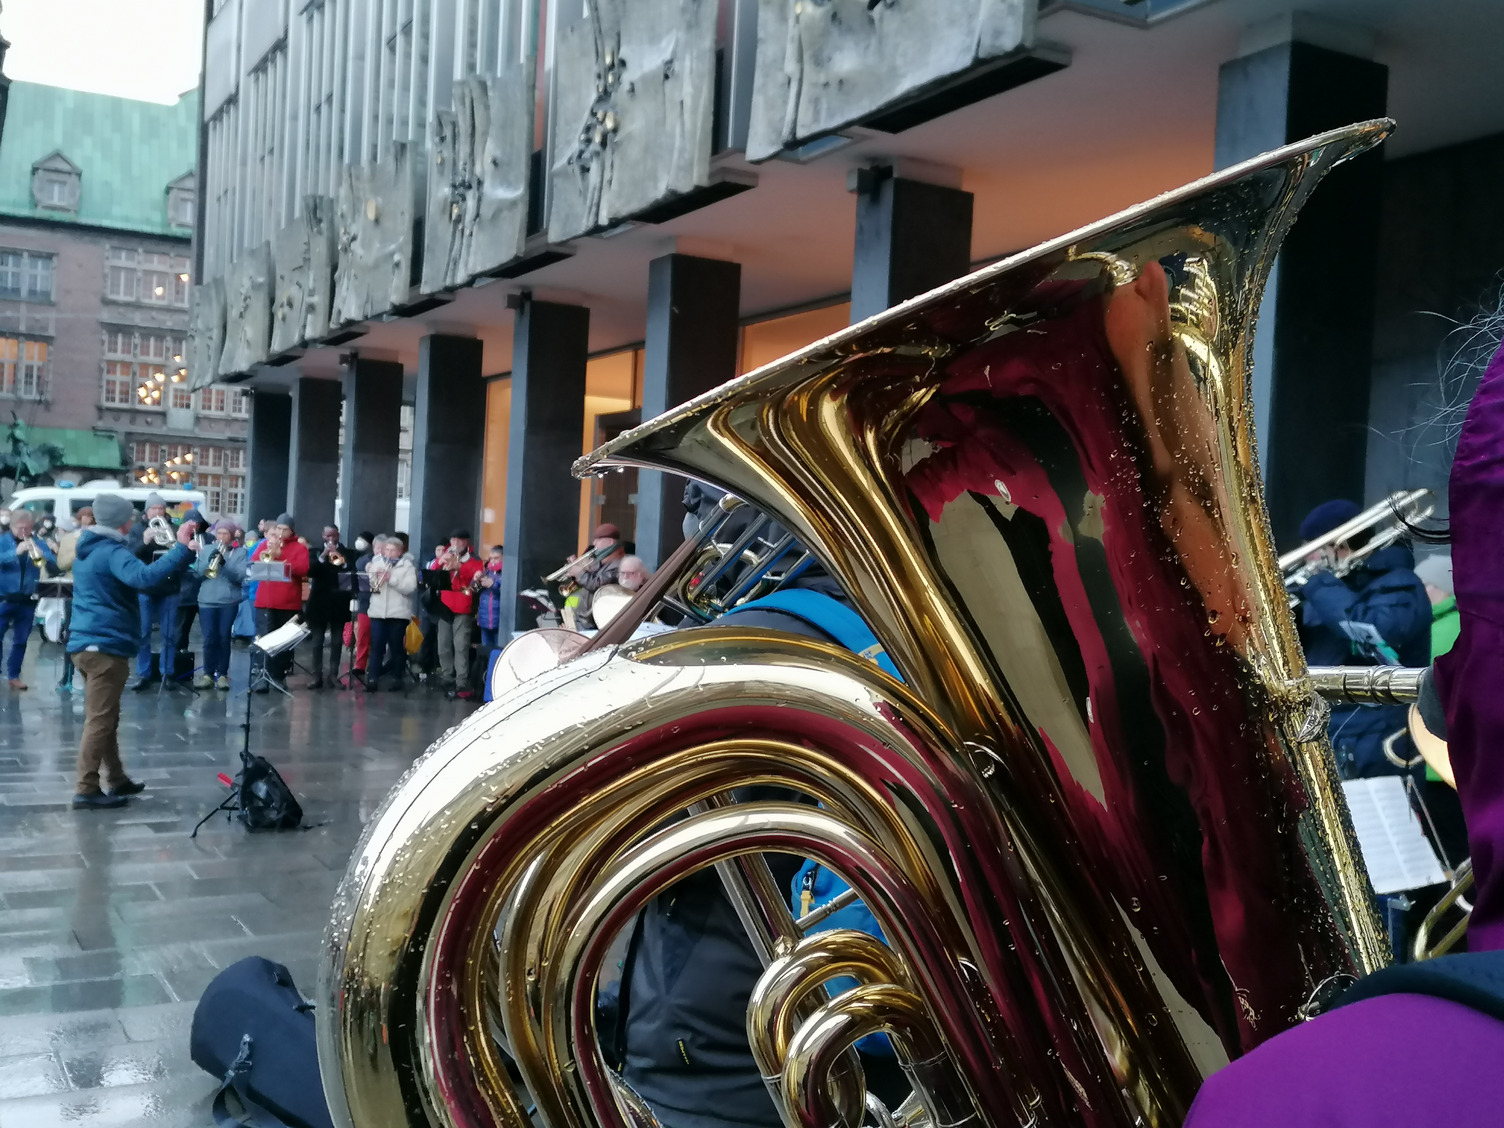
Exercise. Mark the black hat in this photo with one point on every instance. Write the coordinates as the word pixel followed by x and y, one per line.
pixel 460 534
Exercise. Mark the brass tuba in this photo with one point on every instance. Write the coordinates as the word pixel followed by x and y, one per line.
pixel 1098 819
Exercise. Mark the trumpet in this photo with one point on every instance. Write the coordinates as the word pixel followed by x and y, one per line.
pixel 212 569
pixel 273 549
pixel 162 531
pixel 36 552
pixel 1401 509
pixel 335 557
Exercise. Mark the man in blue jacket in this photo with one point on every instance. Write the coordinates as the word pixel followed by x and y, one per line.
pixel 1376 614
pixel 106 633
pixel 21 555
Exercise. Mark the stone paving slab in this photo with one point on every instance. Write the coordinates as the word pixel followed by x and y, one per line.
pixel 113 922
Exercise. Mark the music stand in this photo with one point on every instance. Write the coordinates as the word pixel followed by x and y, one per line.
pixel 285 637
pixel 357 584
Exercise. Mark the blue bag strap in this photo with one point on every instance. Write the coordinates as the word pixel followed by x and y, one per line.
pixel 829 615
pixel 251 1114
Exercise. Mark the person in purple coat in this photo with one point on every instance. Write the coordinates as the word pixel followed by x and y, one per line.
pixel 1420 1043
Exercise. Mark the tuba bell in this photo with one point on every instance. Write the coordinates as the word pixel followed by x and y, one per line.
pixel 162 533
pixel 1097 820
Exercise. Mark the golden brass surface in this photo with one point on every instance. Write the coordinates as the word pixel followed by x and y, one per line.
pixel 1097 822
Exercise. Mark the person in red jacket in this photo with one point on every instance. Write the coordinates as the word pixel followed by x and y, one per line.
pixel 277 601
pixel 458 628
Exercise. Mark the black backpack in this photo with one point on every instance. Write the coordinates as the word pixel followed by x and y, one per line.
pixel 259 797
pixel 253 1031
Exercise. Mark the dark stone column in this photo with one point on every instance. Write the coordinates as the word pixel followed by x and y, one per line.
pixel 267 445
pixel 368 466
pixel 449 441
pixel 550 345
pixel 313 465
pixel 1314 350
pixel 691 347
pixel 910 237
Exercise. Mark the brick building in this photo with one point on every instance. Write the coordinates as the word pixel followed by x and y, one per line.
pixel 97 205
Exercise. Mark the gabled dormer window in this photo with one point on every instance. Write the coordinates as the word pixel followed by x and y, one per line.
pixel 56 183
pixel 182 207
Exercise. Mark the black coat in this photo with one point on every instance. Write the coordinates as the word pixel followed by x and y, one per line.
pixel 149 554
pixel 326 601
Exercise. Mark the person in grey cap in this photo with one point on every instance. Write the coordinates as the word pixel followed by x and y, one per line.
pixel 158 606
pixel 105 633
pixel 1436 573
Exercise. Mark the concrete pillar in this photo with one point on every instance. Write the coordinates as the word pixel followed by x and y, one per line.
pixel 1313 355
pixel 449 441
pixel 267 445
pixel 691 347
pixel 550 346
pixel 313 461
pixel 368 466
pixel 910 237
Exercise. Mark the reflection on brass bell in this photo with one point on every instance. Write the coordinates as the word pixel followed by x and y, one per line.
pixel 373 209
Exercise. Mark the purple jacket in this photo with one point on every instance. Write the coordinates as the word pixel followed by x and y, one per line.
pixel 1400 1060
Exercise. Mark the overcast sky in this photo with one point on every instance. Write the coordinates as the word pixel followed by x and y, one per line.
pixel 134 48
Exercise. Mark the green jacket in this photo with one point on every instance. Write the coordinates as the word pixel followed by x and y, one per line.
pixel 1445 625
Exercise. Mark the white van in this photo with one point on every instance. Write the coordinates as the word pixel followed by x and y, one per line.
pixel 66 501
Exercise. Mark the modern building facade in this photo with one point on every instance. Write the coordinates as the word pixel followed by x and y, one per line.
pixel 98 203
pixel 537 221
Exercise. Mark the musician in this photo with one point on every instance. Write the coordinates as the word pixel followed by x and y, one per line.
pixel 67 547
pixel 365 549
pixel 457 629
pixel 151 538
pixel 488 601
pixel 328 604
pixel 1375 614
pixel 220 568
pixel 597 568
pixel 394 578
pixel 106 631
pixel 22 555
pixel 188 588
pixel 277 601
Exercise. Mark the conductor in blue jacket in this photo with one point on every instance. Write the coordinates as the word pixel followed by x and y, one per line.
pixel 106 633
pixel 21 558
pixel 1377 614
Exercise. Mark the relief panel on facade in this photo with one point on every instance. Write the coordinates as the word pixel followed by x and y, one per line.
pixel 248 311
pixel 826 64
pixel 634 100
pixel 206 333
pixel 374 237
pixel 303 290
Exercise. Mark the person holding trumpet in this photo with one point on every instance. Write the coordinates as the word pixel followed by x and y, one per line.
pixel 22 555
pixel 221 571
pixel 328 605
pixel 394 578
pixel 277 601
pixel 151 538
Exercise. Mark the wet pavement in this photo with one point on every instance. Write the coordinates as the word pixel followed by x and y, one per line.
pixel 113 922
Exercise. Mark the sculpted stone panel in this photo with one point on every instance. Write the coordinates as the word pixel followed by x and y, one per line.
pixel 634 100
pixel 478 179
pixel 374 240
pixel 248 311
pixel 825 64
pixel 303 258
pixel 206 333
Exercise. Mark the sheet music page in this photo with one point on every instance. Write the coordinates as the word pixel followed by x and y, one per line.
pixel 1394 848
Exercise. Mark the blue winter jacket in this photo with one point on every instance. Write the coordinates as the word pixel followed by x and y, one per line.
pixel 1387 595
pixel 106 579
pixel 18 575
pixel 223 589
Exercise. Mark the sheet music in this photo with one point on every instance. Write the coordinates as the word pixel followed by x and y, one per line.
pixel 1394 848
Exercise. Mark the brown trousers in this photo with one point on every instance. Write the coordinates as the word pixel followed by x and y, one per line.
pixel 104 681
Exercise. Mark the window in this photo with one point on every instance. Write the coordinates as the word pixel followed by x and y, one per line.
pixel 217 470
pixel 180 207
pixel 55 183
pixel 23 367
pixel 25 276
pixel 144 370
pixel 221 400
pixel 147 276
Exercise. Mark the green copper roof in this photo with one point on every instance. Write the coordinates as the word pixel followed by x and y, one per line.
pixel 128 152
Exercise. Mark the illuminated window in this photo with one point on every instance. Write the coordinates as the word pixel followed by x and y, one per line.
pixel 23 368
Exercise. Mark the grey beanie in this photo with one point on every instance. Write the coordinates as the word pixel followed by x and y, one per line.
pixel 155 498
pixel 112 511
pixel 1437 571
pixel 285 519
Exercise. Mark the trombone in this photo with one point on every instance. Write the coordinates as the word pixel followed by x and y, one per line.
pixel 593 556
pixel 1402 509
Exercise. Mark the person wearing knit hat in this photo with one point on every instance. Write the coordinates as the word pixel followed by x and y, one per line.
pixel 104 632
pixel 220 568
pixel 597 568
pixel 277 601
pixel 1436 573
pixel 1375 614
pixel 158 607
